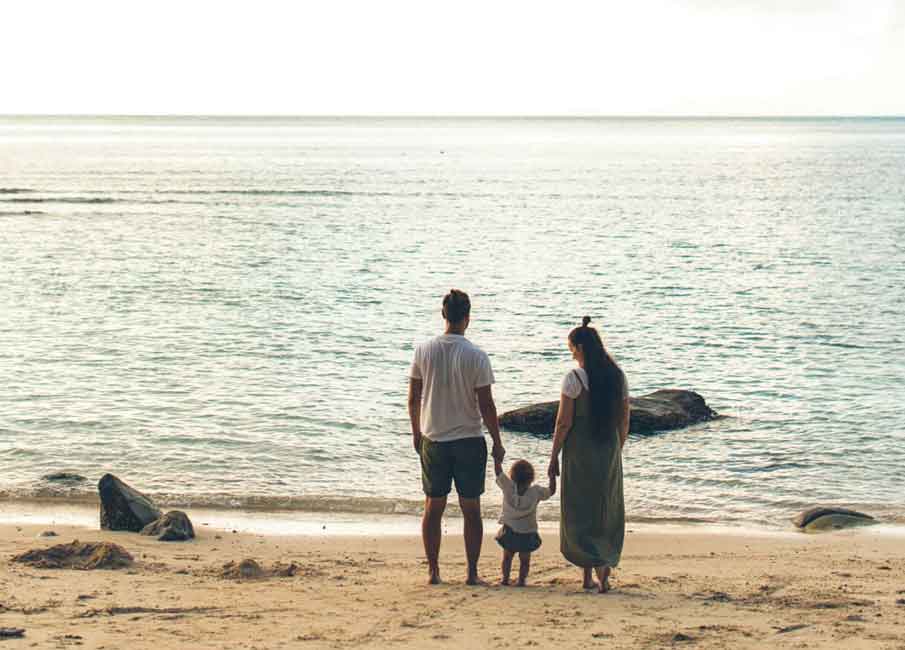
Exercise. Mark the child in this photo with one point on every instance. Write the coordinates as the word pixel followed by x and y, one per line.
pixel 519 516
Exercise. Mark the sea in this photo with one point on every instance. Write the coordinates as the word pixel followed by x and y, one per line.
pixel 222 310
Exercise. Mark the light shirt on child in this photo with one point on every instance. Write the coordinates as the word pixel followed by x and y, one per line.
pixel 520 510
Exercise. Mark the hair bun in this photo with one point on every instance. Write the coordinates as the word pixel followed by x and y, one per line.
pixel 585 321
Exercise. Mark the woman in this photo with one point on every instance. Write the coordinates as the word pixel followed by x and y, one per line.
pixel 591 429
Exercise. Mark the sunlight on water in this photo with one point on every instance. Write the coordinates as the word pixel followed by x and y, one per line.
pixel 224 311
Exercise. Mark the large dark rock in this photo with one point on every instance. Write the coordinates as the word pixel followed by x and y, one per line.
pixel 657 411
pixel 175 526
pixel 821 519
pixel 123 507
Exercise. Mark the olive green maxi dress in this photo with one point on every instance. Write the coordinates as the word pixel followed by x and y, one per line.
pixel 592 509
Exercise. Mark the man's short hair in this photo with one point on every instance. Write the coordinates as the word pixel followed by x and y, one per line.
pixel 456 306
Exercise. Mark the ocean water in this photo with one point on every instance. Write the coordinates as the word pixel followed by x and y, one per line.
pixel 222 310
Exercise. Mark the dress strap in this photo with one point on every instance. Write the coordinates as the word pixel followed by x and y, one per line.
pixel 578 377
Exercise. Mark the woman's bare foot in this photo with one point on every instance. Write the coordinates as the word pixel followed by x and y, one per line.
pixel 434 578
pixel 588 582
pixel 603 575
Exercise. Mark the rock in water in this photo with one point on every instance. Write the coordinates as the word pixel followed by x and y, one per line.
pixel 821 519
pixel 174 526
pixel 657 411
pixel 77 555
pixel 65 476
pixel 123 507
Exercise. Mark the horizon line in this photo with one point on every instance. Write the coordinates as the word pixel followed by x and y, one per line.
pixel 589 116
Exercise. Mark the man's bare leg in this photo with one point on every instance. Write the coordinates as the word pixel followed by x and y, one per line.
pixel 507 566
pixel 524 566
pixel 432 533
pixel 474 535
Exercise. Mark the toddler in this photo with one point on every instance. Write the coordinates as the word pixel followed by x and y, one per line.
pixel 519 517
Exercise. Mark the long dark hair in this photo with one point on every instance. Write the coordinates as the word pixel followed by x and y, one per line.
pixel 606 382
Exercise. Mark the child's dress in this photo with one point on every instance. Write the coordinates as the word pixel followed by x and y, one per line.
pixel 519 517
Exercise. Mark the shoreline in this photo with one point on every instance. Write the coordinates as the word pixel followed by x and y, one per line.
pixel 288 522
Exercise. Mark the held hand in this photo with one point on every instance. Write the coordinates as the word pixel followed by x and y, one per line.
pixel 498 453
pixel 497 467
pixel 553 469
pixel 416 441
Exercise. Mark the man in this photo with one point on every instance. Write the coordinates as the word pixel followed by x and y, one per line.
pixel 449 395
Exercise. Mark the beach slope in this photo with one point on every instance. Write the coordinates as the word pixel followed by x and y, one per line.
pixel 681 587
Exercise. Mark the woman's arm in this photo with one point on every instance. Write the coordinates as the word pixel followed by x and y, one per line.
pixel 626 420
pixel 564 420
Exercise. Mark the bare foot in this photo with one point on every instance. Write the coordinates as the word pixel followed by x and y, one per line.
pixel 520 583
pixel 604 580
pixel 434 577
pixel 475 581
pixel 589 585
pixel 504 582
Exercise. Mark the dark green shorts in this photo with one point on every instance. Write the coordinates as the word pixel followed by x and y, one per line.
pixel 464 461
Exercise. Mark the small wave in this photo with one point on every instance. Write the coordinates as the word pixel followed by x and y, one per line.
pixel 20 213
pixel 14 190
pixel 61 199
pixel 278 192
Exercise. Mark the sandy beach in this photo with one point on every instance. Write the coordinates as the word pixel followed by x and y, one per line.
pixel 678 586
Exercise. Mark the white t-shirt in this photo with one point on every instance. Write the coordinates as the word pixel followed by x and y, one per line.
pixel 520 510
pixel 574 382
pixel 451 369
pixel 577 379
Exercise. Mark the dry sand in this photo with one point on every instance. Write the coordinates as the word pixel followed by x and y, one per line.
pixel 676 588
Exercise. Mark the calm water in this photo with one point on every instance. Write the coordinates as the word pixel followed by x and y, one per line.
pixel 223 311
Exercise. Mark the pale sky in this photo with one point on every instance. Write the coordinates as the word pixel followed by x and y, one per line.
pixel 648 57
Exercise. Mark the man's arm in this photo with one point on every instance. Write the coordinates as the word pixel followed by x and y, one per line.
pixel 415 387
pixel 491 421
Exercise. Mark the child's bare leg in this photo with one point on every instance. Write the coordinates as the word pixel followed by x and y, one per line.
pixel 588 582
pixel 524 567
pixel 507 565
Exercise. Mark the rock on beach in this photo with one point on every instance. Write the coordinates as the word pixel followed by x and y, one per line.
pixel 822 519
pixel 174 526
pixel 123 507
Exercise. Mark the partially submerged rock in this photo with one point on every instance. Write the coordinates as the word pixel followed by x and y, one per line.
pixel 823 519
pixel 658 411
pixel 124 507
pixel 65 476
pixel 77 555
pixel 174 526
